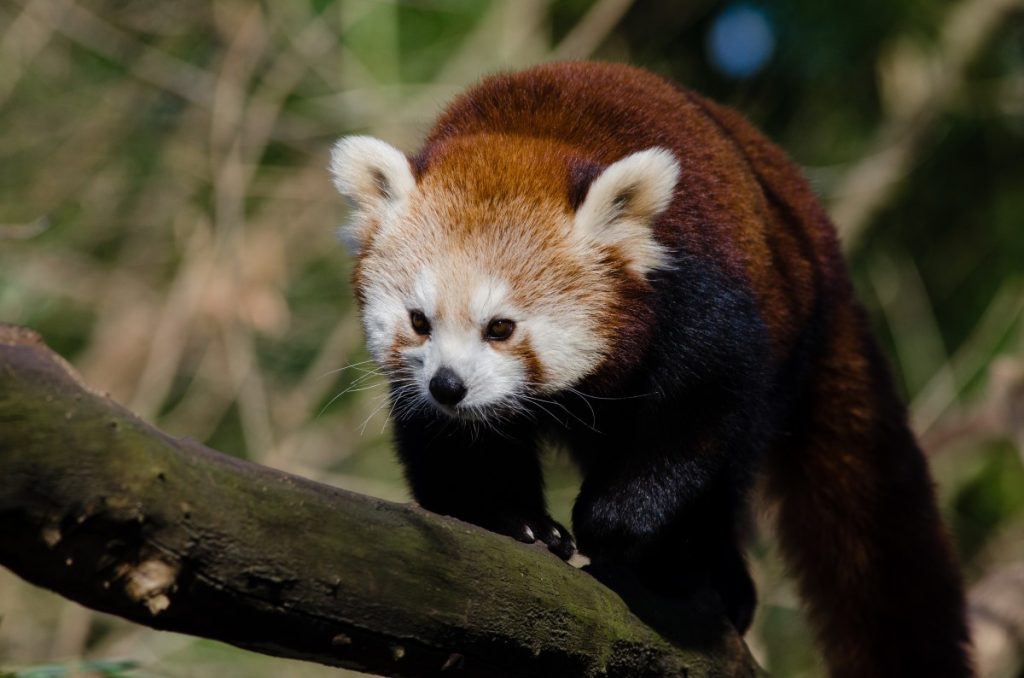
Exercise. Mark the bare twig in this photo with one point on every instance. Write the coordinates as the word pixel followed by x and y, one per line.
pixel 997 622
pixel 999 414
pixel 24 38
pixel 870 182
pixel 590 31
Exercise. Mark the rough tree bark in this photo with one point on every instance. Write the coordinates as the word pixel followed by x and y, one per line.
pixel 110 512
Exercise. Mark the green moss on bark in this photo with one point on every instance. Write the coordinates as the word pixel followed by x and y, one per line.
pixel 104 509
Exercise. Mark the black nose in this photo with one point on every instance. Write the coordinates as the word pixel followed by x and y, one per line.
pixel 446 387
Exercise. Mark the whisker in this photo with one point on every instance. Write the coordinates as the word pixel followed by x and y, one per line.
pixel 593 414
pixel 362 428
pixel 537 401
pixel 355 387
pixel 368 375
pixel 331 402
pixel 594 397
pixel 342 369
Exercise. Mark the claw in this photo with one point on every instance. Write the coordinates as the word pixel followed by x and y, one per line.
pixel 562 549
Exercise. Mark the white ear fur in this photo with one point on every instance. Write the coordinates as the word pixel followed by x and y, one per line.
pixel 623 203
pixel 375 178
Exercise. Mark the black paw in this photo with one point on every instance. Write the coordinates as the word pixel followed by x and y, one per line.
pixel 536 527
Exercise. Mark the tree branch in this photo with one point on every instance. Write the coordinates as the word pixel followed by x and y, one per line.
pixel 110 512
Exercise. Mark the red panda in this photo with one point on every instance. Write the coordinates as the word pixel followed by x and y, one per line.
pixel 590 253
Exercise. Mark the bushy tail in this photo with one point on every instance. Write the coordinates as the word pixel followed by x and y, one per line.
pixel 859 526
pixel 857 515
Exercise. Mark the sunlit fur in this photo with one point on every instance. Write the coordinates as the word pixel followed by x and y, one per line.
pixel 684 322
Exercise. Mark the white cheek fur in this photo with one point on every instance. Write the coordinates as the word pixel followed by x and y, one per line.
pixel 382 313
pixel 566 345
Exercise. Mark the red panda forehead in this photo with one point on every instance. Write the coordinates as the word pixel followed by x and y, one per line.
pixel 487 170
pixel 447 259
pixel 516 266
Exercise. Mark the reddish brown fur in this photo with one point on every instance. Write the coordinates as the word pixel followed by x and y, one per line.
pixel 534 369
pixel 857 515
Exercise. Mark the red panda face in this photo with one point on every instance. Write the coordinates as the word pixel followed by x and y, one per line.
pixel 480 287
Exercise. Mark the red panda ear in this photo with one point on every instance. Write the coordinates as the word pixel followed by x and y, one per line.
pixel 375 178
pixel 623 203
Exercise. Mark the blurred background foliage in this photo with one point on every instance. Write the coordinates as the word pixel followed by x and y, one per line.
pixel 166 223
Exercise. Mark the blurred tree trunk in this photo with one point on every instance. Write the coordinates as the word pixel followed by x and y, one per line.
pixel 110 512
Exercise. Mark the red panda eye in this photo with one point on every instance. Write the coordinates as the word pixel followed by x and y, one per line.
pixel 420 324
pixel 499 330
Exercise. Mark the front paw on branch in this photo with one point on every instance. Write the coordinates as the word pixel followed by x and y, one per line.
pixel 529 529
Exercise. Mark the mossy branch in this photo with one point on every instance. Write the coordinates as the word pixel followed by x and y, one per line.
pixel 106 510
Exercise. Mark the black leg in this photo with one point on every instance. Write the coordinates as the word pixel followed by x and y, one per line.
pixel 664 502
pixel 481 476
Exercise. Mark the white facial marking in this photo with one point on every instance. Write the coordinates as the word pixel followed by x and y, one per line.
pixel 382 314
pixel 489 301
pixel 623 203
pixel 376 179
pixel 566 345
pixel 423 296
